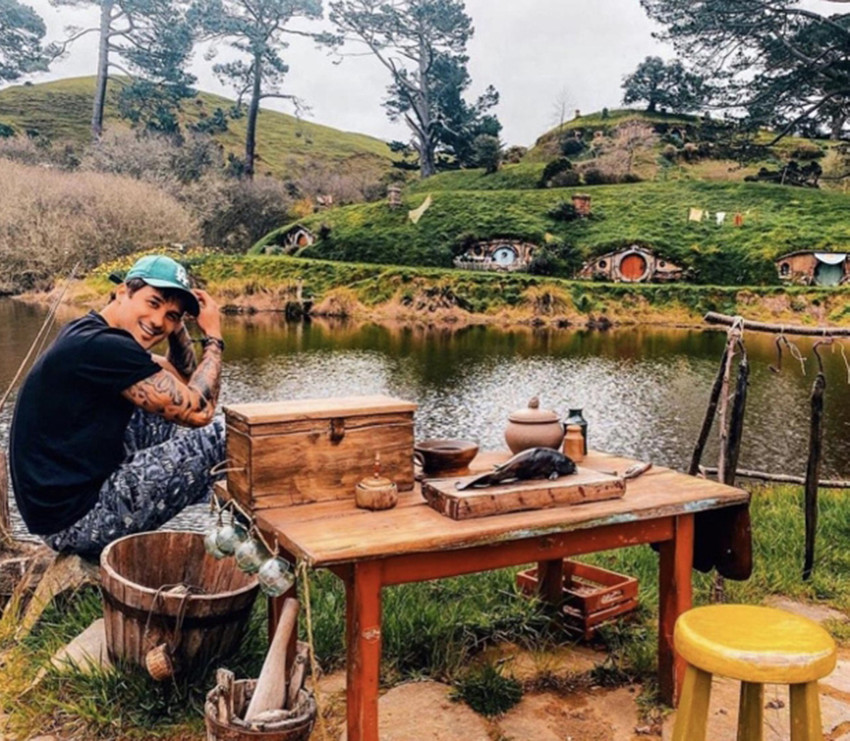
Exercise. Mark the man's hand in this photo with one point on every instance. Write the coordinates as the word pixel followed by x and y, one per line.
pixel 209 319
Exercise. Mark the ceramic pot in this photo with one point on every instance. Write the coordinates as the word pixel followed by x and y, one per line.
pixel 443 456
pixel 533 427
pixel 376 493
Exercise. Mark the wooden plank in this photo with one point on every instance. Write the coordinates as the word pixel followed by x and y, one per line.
pixel 344 538
pixel 440 564
pixel 299 409
pixel 585 485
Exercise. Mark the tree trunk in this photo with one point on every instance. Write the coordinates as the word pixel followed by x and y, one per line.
pixel 253 112
pixel 651 107
pixel 837 125
pixel 427 158
pixel 102 69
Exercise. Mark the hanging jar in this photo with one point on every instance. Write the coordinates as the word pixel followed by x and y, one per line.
pixel 575 417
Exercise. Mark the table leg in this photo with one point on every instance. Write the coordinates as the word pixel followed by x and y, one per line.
pixel 550 581
pixel 674 598
pixel 363 633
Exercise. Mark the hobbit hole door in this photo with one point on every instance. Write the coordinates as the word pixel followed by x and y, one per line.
pixel 829 270
pixel 633 267
pixel 504 255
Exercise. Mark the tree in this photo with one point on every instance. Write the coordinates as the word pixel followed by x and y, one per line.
pixel 21 32
pixel 663 85
pixel 785 64
pixel 255 28
pixel 488 152
pixel 148 41
pixel 422 44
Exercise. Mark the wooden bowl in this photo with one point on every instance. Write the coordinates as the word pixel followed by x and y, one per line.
pixel 438 456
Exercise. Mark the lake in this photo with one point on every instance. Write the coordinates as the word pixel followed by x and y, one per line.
pixel 643 390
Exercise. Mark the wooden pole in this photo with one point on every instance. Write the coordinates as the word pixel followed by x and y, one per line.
pixel 781 478
pixel 5 522
pixel 708 420
pixel 726 320
pixel 813 473
pixel 270 692
pixel 736 422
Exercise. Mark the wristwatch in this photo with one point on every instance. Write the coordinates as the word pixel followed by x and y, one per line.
pixel 212 341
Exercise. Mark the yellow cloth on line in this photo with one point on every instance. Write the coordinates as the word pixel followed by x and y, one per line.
pixel 416 214
pixel 695 214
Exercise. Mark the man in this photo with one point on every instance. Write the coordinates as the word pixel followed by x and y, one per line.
pixel 97 449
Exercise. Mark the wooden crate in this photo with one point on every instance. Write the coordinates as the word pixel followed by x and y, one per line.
pixel 315 450
pixel 592 595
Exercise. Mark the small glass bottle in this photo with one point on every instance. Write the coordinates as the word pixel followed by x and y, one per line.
pixel 574 444
pixel 575 418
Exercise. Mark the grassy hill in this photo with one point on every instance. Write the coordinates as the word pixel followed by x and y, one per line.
pixel 61 110
pixel 776 220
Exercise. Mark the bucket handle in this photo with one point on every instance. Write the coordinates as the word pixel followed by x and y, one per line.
pixel 181 612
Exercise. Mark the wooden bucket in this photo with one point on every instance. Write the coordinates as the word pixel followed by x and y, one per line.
pixel 141 615
pixel 297 728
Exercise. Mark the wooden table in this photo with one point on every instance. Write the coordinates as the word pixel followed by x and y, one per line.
pixel 411 543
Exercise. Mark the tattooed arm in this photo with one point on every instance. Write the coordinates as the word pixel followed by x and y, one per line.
pixel 193 403
pixel 181 352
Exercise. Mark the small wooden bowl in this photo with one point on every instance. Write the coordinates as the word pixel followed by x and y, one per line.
pixel 439 456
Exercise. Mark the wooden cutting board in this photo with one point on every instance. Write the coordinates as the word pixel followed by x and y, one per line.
pixel 583 486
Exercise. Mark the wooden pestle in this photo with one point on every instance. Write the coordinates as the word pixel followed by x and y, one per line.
pixel 270 692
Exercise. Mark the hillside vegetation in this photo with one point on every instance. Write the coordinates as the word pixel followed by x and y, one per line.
pixel 61 110
pixel 457 297
pixel 776 220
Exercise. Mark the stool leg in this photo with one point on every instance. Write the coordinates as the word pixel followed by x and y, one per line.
pixel 692 715
pixel 805 712
pixel 750 712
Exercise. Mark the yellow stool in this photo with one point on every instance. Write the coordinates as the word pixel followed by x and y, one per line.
pixel 757 645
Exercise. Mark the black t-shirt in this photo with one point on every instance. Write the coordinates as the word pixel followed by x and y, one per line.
pixel 68 429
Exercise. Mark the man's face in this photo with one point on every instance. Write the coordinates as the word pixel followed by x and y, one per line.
pixel 146 315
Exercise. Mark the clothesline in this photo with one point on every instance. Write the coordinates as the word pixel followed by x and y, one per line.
pixel 699 214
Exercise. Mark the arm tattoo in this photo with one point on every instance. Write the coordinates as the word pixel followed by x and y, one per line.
pixel 191 404
pixel 181 352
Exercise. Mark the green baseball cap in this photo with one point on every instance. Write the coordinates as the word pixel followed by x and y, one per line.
pixel 160 271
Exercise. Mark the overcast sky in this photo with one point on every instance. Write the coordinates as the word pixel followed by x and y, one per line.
pixel 532 51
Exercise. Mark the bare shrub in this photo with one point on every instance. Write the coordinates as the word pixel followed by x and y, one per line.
pixel 346 186
pixel 233 214
pixel 40 151
pixel 50 219
pixel 153 158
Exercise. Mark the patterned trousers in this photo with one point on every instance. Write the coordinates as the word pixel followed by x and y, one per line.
pixel 167 468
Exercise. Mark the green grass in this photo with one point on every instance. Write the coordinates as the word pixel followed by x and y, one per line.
pixel 431 629
pixel 269 281
pixel 61 110
pixel 776 220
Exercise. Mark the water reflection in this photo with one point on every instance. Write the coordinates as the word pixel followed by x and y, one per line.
pixel 644 390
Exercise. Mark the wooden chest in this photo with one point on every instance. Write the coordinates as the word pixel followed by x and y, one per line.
pixel 315 450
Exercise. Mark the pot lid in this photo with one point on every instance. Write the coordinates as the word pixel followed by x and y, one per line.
pixel 533 414
pixel 376 483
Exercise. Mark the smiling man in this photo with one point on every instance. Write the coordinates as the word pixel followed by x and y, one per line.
pixel 108 439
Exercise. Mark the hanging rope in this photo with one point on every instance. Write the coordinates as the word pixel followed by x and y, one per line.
pixel 41 336
pixel 314 664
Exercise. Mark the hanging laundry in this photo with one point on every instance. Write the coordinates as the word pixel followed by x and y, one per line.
pixel 739 219
pixel 416 214
pixel 695 214
pixel 720 216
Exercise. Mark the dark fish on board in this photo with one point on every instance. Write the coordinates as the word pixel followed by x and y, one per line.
pixel 534 463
